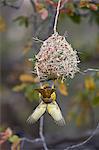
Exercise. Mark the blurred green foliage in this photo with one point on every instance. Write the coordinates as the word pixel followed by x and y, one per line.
pixel 76 11
pixel 85 100
pixel 22 21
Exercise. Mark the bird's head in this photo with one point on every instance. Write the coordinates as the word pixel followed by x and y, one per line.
pixel 47 92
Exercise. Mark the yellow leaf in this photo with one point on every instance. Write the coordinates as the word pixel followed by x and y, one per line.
pixel 90 83
pixel 2 24
pixel 5 135
pixel 18 88
pixel 84 3
pixel 63 89
pixel 39 6
pixel 28 78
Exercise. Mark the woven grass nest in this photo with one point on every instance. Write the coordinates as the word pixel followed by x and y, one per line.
pixel 56 58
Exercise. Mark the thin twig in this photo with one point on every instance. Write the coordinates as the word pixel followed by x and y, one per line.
pixel 28 140
pixel 94 132
pixel 82 143
pixel 91 69
pixel 37 39
pixel 56 17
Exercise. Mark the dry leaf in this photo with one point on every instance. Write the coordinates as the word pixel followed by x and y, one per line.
pixel 41 10
pixel 39 6
pixel 5 135
pixel 15 140
pixel 84 3
pixel 16 145
pixel 93 7
pixel 63 89
pixel 89 83
pixel 28 78
pixel 43 13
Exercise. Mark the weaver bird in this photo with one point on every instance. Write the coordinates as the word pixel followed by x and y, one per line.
pixel 48 102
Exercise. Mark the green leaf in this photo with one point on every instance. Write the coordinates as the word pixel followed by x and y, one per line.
pixel 76 18
pixel 14 138
pixel 2 128
pixel 31 94
pixel 22 20
pixel 55 1
pixel 19 88
pixel 33 60
pixel 94 17
pixel 96 101
pixel 11 1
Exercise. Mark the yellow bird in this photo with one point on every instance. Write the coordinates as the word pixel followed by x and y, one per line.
pixel 48 102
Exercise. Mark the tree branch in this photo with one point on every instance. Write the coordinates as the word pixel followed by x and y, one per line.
pixel 82 143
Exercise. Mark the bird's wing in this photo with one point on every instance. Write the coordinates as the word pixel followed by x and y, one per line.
pixel 55 112
pixel 38 112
